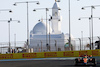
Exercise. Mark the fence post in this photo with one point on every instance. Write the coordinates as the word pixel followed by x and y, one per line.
pixel 80 43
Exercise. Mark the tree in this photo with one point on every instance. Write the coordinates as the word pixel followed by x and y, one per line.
pixel 88 45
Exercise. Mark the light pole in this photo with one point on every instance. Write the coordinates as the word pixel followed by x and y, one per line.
pixel 80 43
pixel 69 29
pixel 46 9
pixel 9 31
pixel 6 10
pixel 49 31
pixel 89 26
pixel 49 25
pixel 15 40
pixel 82 38
pixel 92 7
pixel 41 46
pixel 70 26
pixel 27 2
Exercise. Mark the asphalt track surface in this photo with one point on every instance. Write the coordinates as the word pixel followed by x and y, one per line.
pixel 41 63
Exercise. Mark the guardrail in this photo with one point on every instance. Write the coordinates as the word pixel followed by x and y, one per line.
pixel 50 54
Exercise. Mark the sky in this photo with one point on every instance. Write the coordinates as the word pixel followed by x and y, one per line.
pixel 19 13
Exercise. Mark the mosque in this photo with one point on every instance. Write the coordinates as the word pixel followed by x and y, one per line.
pixel 48 37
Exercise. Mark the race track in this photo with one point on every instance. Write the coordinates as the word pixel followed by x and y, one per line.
pixel 41 63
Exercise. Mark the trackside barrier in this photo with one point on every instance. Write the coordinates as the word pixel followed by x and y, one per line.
pixel 50 54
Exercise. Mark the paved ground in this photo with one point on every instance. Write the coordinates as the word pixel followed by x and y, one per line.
pixel 41 63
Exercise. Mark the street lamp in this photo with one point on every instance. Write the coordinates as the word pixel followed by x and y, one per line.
pixel 80 43
pixel 89 26
pixel 46 21
pixel 49 25
pixel 15 41
pixel 27 2
pixel 92 7
pixel 6 10
pixel 69 26
pixel 37 2
pixel 49 29
pixel 69 29
pixel 82 38
pixel 9 31
pixel 46 9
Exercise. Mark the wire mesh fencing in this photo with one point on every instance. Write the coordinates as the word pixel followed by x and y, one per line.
pixel 4 46
pixel 54 45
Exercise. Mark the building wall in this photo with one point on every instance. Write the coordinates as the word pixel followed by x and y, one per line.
pixel 36 43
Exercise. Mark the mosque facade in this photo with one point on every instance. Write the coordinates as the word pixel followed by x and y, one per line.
pixel 48 37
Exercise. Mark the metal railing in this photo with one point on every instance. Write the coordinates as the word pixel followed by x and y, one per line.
pixel 61 45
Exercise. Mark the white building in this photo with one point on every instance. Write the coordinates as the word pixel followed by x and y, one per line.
pixel 56 40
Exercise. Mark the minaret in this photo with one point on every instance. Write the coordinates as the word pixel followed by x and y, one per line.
pixel 56 19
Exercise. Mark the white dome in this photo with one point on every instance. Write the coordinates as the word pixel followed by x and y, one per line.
pixel 40 28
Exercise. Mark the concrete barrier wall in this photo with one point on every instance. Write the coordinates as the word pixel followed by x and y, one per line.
pixel 49 54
